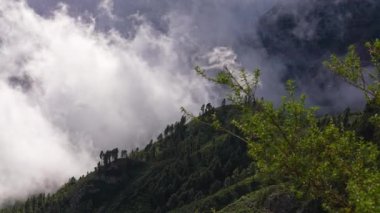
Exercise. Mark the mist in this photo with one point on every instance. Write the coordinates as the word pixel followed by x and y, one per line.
pixel 68 91
pixel 78 77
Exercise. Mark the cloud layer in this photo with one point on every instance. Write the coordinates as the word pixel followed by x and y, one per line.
pixel 67 91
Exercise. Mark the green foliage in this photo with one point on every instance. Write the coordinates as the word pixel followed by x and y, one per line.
pixel 243 85
pixel 221 198
pixel 364 188
pixel 315 162
pixel 257 201
pixel 351 70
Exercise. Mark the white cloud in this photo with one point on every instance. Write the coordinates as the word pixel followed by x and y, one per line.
pixel 107 7
pixel 34 154
pixel 221 57
pixel 89 91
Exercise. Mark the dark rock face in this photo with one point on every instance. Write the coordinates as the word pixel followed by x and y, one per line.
pixel 305 33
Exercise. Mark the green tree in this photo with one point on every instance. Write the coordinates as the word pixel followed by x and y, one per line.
pixel 350 68
pixel 364 188
pixel 290 148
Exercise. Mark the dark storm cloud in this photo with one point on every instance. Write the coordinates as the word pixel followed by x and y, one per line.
pixel 305 34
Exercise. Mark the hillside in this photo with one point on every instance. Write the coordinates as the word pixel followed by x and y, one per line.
pixel 191 167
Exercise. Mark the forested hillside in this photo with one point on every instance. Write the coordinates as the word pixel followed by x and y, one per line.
pixel 188 164
pixel 190 167
pixel 245 156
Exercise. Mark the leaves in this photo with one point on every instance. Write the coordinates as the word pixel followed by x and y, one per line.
pixel 367 79
pixel 243 85
pixel 289 147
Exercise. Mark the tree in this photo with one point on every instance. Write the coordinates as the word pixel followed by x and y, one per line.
pixel 101 155
pixel 290 148
pixel 115 154
pixel 203 109
pixel 243 85
pixel 314 162
pixel 160 137
pixel 350 69
pixel 106 158
pixel 124 154
pixel 223 102
pixel 364 189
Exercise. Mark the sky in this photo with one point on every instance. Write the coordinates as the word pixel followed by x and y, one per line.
pixel 78 77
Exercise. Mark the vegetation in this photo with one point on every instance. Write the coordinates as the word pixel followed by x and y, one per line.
pixel 188 162
pixel 247 156
pixel 314 161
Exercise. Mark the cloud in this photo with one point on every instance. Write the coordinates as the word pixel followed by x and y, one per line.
pixel 67 91
pixel 35 155
pixel 96 74
pixel 286 39
pixel 106 6
pixel 221 57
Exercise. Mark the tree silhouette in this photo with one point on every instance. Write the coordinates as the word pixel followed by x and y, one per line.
pixel 115 154
pixel 124 154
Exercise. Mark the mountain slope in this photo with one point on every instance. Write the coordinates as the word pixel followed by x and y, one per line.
pixel 191 167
